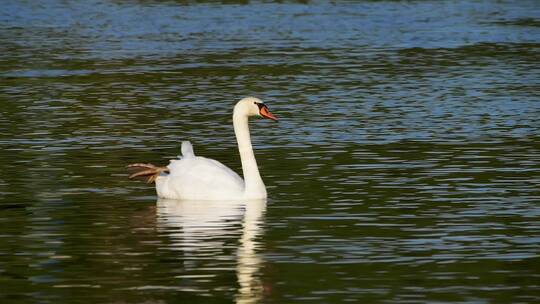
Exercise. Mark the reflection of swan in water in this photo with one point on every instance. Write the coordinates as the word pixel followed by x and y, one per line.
pixel 214 231
pixel 251 289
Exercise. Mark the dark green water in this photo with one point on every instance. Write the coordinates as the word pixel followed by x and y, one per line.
pixel 405 167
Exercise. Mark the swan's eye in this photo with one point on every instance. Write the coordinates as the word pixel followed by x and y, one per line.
pixel 254 102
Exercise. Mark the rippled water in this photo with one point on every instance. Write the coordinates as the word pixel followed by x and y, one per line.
pixel 405 167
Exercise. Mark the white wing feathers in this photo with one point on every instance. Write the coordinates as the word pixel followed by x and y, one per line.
pixel 196 177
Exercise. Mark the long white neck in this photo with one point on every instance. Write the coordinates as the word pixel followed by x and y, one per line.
pixel 254 186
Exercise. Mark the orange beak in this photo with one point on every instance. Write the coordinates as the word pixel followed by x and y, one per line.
pixel 266 114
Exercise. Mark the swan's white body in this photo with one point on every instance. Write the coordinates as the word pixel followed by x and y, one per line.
pixel 198 178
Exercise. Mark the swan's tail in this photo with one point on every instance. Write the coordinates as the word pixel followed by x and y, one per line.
pixel 187 149
pixel 148 172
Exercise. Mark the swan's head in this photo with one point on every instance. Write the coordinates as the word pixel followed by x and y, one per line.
pixel 251 106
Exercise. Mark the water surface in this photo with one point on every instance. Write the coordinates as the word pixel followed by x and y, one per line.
pixel 405 167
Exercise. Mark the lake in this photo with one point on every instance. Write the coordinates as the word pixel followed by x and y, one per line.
pixel 405 167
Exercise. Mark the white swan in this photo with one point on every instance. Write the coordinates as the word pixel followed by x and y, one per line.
pixel 198 178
